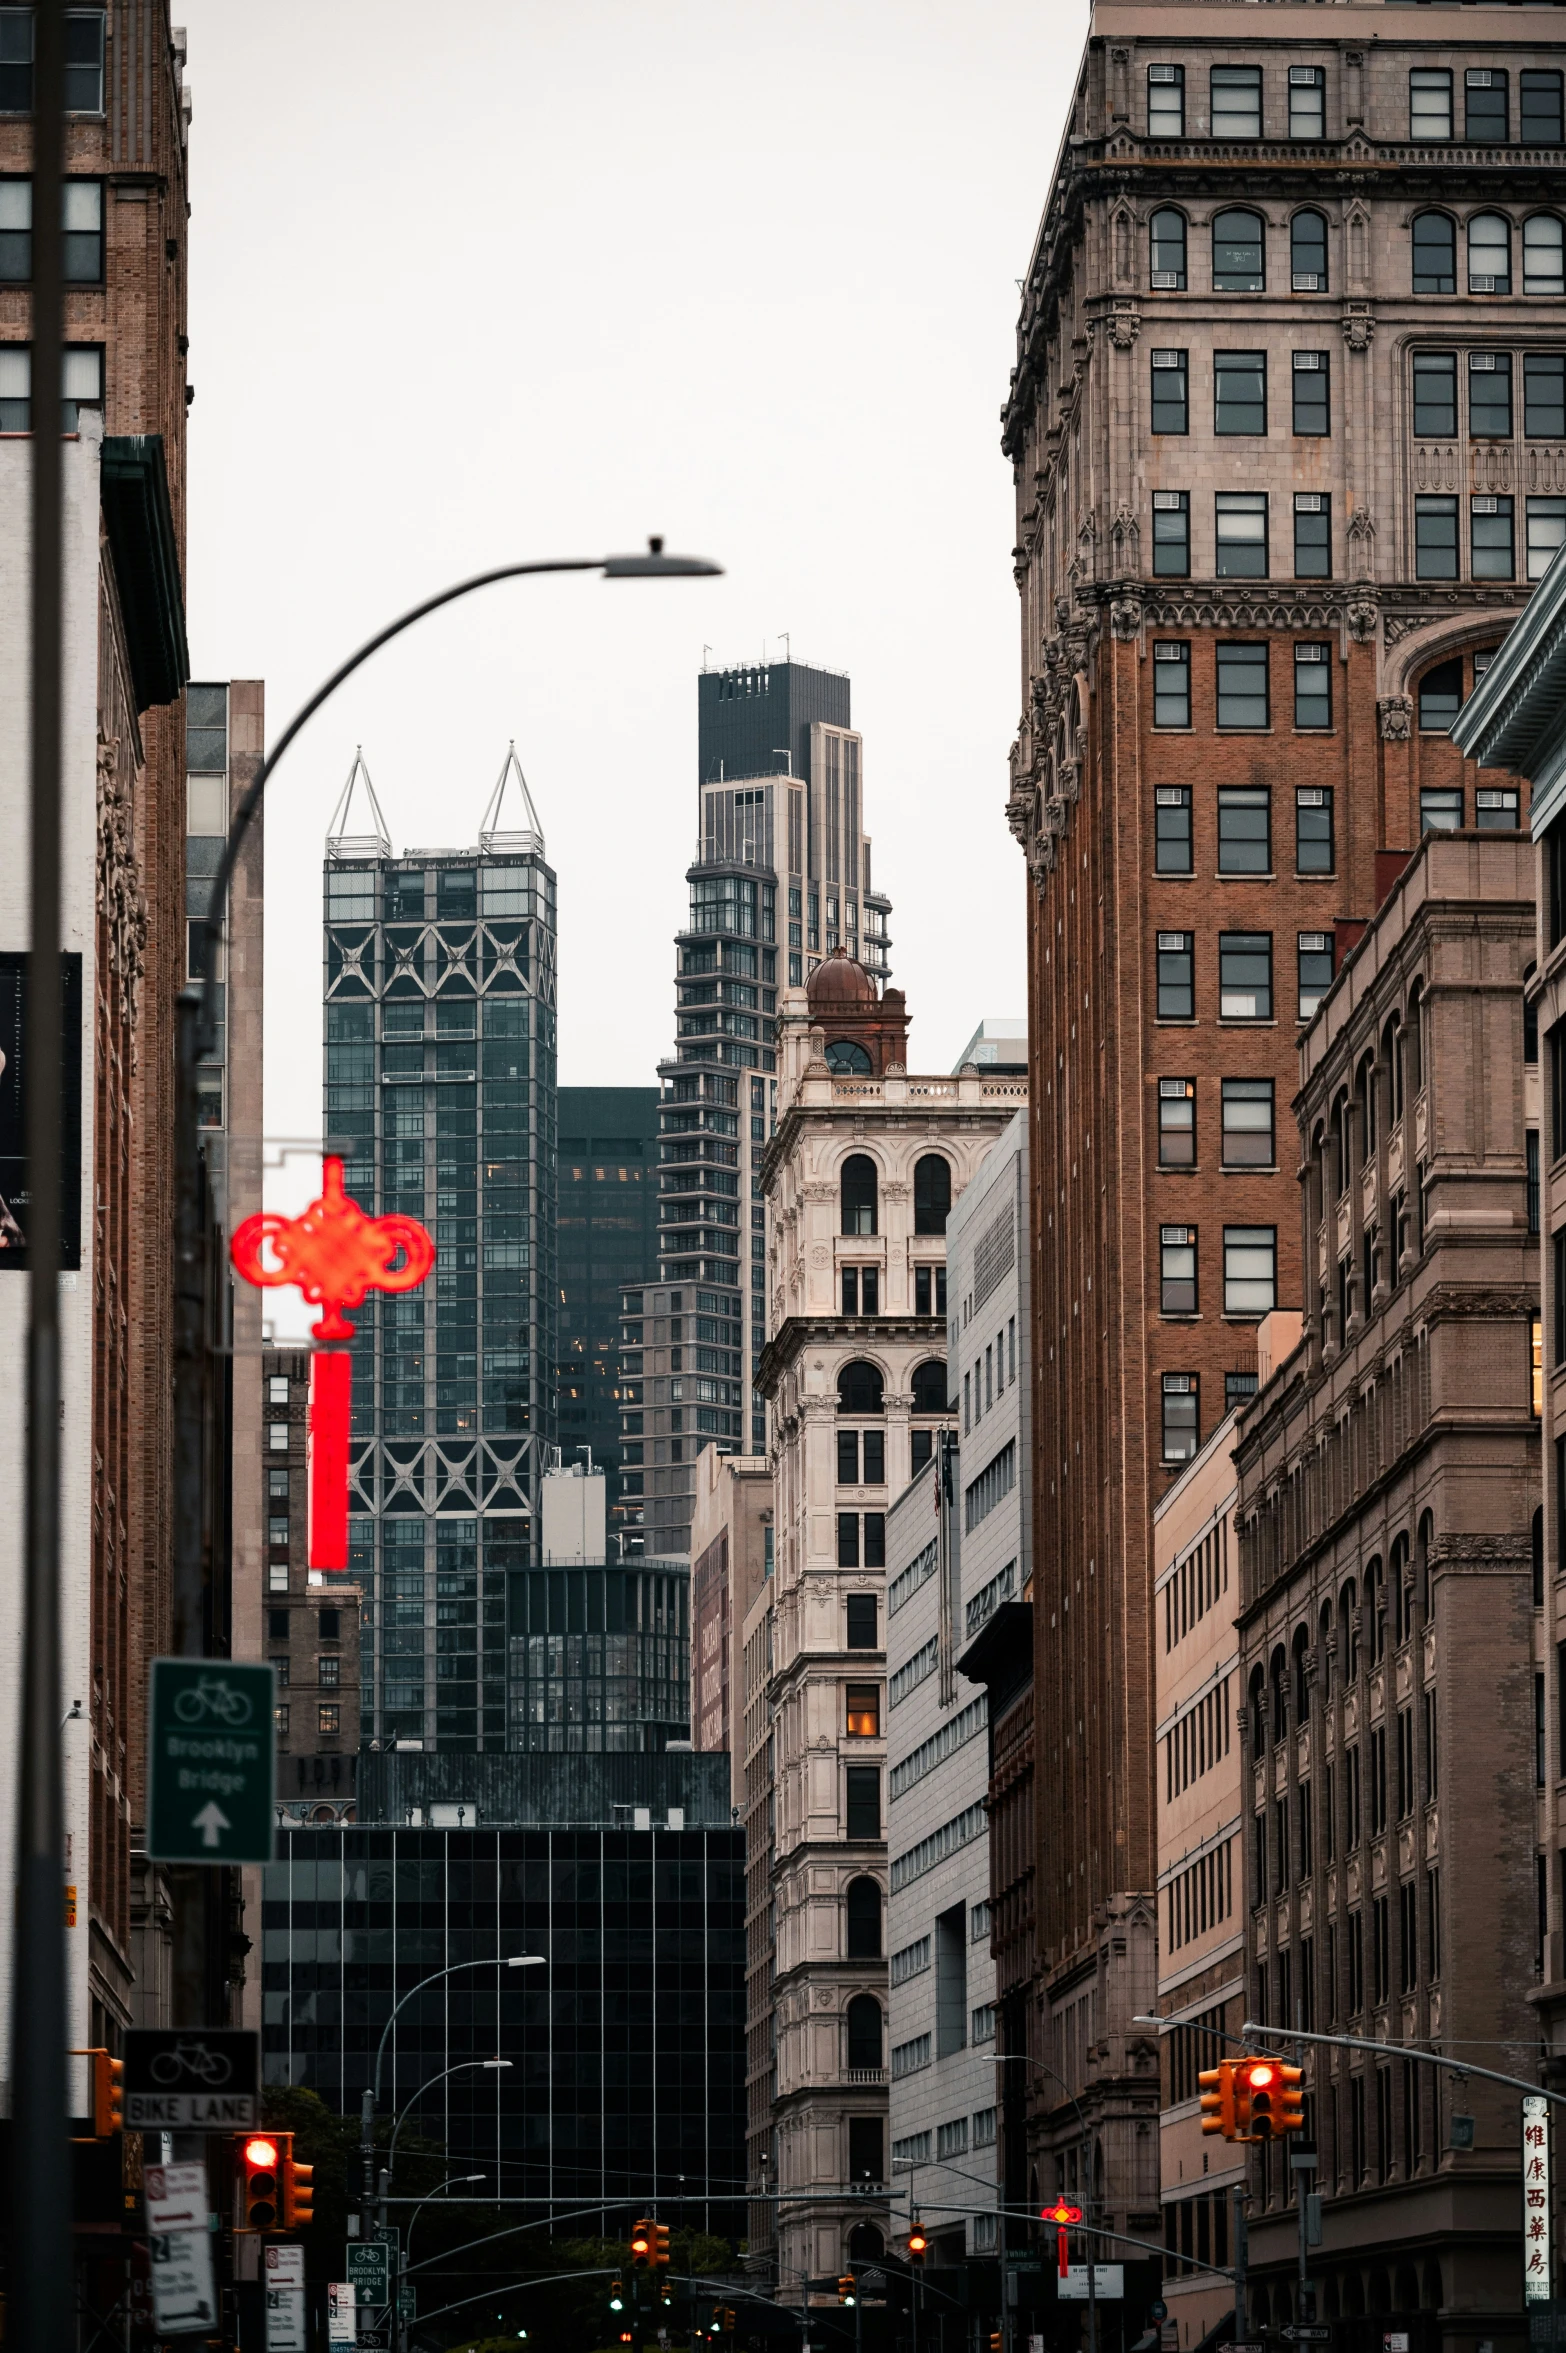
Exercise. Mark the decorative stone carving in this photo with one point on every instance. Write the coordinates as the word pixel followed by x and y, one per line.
pixel 1125 540
pixel 1358 327
pixel 1395 713
pixel 1125 325
pixel 1361 619
pixel 1125 617
pixel 1397 626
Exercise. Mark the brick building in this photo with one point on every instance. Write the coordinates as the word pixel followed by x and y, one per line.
pixel 1287 453
pixel 1392 1745
pixel 309 1622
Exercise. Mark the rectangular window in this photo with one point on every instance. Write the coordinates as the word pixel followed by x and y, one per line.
pixel 1315 954
pixel 328 1671
pixel 82 382
pixel 1312 535
pixel 1435 395
pixel 1490 395
pixel 1245 976
pixel 1441 808
pixel 850 1290
pixel 1171 678
pixel 1248 1123
pixel 84 30
pixel 16 230
pixel 861 1609
pixel 1242 685
pixel 1172 828
pixel 1240 521
pixel 1236 92
pixel 1239 392
pixel 1539 109
pixel 16 388
pixel 1313 686
pixel 1496 808
pixel 1429 102
pixel 864 1711
pixel 1546 527
pixel 1176 976
pixel 1250 1270
pixel 875 1539
pixel 1171 533
pixel 1490 532
pixel 863 1793
pixel 1544 395
pixel 848 1458
pixel 1312 379
pixel 1244 830
pixel 1176 1123
pixel 1435 538
pixel 848 1540
pixel 1171 393
pixel 83 225
pixel 1177 1269
pixel 1484 106
pixel 1166 101
pixel 875 1458
pixel 1180 1416
pixel 1307 102
pixel 16 61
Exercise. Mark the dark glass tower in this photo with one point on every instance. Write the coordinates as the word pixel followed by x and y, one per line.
pixel 608 1195
pixel 440 1090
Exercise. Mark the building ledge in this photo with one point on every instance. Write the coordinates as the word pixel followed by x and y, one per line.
pixel 139 521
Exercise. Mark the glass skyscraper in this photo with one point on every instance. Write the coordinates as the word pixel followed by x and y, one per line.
pixel 441 1094
pixel 608 1222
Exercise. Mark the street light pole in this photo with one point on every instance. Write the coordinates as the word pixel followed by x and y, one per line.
pixel 196 1010
pixel 372 2090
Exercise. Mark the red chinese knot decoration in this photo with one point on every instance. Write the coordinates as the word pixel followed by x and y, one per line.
pixel 334 1254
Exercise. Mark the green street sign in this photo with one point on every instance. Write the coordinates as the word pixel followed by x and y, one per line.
pixel 211 1763
pixel 369 2272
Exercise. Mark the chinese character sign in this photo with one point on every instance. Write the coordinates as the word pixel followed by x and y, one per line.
pixel 1537 2235
pixel 334 1254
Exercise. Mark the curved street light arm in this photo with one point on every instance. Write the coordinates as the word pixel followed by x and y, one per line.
pixel 456 2069
pixel 1355 2042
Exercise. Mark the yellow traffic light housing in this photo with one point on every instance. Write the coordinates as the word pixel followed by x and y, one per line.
pixel 1217 2089
pixel 660 2246
pixel 845 2288
pixel 258 2182
pixel 298 2188
pixel 617 2295
pixel 1256 2099
pixel 641 2245
pixel 108 2095
pixel 728 2320
pixel 1291 2099
pixel 917 2241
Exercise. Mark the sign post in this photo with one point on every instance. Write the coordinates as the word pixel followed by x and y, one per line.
pixel 212 1762
pixel 184 2293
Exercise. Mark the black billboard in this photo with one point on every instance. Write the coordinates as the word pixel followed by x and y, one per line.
pixel 14 1195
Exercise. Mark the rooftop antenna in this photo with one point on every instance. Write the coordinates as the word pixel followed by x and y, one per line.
pixel 788 647
pixel 705 651
pixel 340 843
pixel 526 835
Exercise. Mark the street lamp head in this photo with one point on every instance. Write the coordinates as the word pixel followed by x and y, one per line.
pixel 495 2063
pixel 524 1960
pixel 655 565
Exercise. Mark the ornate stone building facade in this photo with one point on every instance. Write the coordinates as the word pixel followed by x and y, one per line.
pixel 859 1179
pixel 1287 455
pixel 1393 1747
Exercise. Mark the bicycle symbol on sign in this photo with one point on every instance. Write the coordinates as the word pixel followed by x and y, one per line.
pixel 212 1700
pixel 189 2059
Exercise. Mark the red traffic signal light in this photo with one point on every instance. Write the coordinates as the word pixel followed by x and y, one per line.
pixel 258 2185
pixel 1256 2089
pixel 641 2245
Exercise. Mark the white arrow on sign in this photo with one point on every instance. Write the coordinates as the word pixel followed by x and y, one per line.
pixel 210 1821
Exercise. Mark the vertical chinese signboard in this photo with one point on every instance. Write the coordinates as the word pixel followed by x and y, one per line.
pixel 1537 2247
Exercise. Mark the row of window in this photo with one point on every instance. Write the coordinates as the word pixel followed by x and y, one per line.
pixel 989 1377
pixel 1244 843
pixel 328 1720
pixel 328 1671
pixel 81 384
pixel 1240 393
pixel 1197 1583
pixel 1239 252
pixel 1241 547
pixel 1180 1408
pixel 861 1290
pixel 1198 1740
pixel 1245 982
pixel 84 44
pixel 1243 694
pixel 932 1193
pixel 81 219
pixel 1250 1267
pixel 1235 109
pixel 1246 1129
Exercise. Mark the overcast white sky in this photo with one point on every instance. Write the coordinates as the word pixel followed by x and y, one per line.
pixel 539 277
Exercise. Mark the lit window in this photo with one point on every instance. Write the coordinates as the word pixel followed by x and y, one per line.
pixel 864 1711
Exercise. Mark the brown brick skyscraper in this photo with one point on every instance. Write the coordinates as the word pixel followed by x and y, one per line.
pixel 1288 429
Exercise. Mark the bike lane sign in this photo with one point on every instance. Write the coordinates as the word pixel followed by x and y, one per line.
pixel 211 1763
pixel 194 2079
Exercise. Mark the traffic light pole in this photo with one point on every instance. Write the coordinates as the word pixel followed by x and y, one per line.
pixel 1358 2042
pixel 1238 2194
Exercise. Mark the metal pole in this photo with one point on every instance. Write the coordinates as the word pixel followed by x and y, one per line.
pixel 44 2301
pixel 1240 2251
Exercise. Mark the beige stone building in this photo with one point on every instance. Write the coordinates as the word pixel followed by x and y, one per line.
pixel 731 1560
pixel 859 1178
pixel 1392 1741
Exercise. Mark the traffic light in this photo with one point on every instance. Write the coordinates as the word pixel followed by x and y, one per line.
pixel 1217 2089
pixel 1291 2099
pixel 845 2288
pixel 1256 2090
pixel 258 2155
pixel 660 2246
pixel 108 2095
pixel 617 2295
pixel 995 2340
pixel 728 2320
pixel 917 2242
pixel 641 2245
pixel 298 2190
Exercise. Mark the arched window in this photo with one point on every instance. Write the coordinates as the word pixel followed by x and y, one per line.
pixel 860 1388
pixel 1301 1675
pixel 1341 1125
pixel 1237 252
pixel 1258 1700
pixel 1544 262
pixel 1348 1632
pixel 859 1194
pixel 932 1194
pixel 1536 1546
pixel 1367 1107
pixel 865 2243
pixel 1375 1612
pixel 1440 697
pixel 1415 1034
pixel 864 2031
pixel 1530 1016
pixel 1435 253
pixel 1166 249
pixel 929 1386
pixel 848 1058
pixel 1392 1057
pixel 1489 253
pixel 1399 1574
pixel 1326 1650
pixel 862 1920
pixel 1422 1544
pixel 1280 1693
pixel 1308 253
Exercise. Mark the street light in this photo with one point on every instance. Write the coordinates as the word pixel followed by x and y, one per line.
pixel 372 2090
pixel 196 1009
pixel 455 2069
